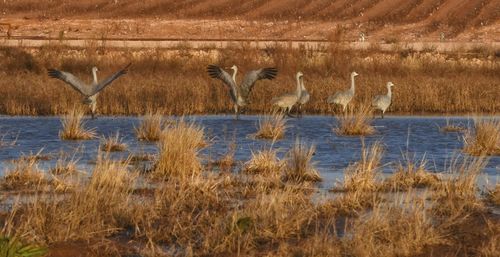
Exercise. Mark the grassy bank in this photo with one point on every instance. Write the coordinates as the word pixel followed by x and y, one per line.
pixel 273 207
pixel 175 81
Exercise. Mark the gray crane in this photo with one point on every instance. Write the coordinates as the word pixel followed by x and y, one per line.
pixel 239 94
pixel 89 91
pixel 343 97
pixel 382 102
pixel 304 96
pixel 287 101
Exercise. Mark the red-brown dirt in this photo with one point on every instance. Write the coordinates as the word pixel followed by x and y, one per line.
pixel 402 20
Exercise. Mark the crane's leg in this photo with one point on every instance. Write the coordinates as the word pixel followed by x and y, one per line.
pixel 288 110
pixel 92 110
pixel 383 114
pixel 236 112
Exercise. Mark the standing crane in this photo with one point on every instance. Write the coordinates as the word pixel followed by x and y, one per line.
pixel 382 102
pixel 287 101
pixel 344 97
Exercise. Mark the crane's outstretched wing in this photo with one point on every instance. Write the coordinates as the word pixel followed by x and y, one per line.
pixel 101 85
pixel 252 76
pixel 71 80
pixel 218 73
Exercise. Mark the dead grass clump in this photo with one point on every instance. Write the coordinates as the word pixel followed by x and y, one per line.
pixel 411 176
pixel 113 144
pixel 392 231
pixel 355 123
pixel 150 127
pixel 485 140
pixel 493 195
pixel 278 215
pixel 299 166
pixel 362 175
pixel 73 127
pixel 178 150
pixel 92 211
pixel 272 126
pixel 65 167
pixel 264 162
pixel 227 162
pixel 450 127
pixel 459 193
pixel 24 175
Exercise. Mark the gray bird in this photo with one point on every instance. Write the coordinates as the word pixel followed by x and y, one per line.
pixel 304 97
pixel 239 94
pixel 382 102
pixel 343 97
pixel 89 91
pixel 287 101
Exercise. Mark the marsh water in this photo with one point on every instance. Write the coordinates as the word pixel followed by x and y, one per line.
pixel 403 137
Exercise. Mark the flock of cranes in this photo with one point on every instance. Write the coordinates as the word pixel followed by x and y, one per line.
pixel 239 93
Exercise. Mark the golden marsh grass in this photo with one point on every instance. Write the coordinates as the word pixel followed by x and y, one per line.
pixel 272 126
pixel 73 127
pixel 150 127
pixel 174 80
pixel 355 122
pixel 484 138
pixel 178 150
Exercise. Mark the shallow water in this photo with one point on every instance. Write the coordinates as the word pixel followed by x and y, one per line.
pixel 418 136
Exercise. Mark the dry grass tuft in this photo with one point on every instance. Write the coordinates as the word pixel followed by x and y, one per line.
pixel 94 209
pixel 393 230
pixel 264 162
pixel 459 193
pixel 178 150
pixel 485 140
pixel 299 166
pixel 227 162
pixel 411 176
pixel 24 175
pixel 355 123
pixel 272 126
pixel 65 167
pixel 73 127
pixel 362 175
pixel 113 144
pixel 150 127
pixel 450 127
pixel 493 196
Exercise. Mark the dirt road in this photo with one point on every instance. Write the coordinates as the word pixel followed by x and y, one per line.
pixel 31 42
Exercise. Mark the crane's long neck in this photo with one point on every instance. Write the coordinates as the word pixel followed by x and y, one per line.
pixel 389 92
pixel 352 84
pixel 299 86
pixel 94 73
pixel 302 87
pixel 235 70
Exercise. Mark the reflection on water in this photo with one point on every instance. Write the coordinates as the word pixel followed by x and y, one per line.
pixel 419 136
